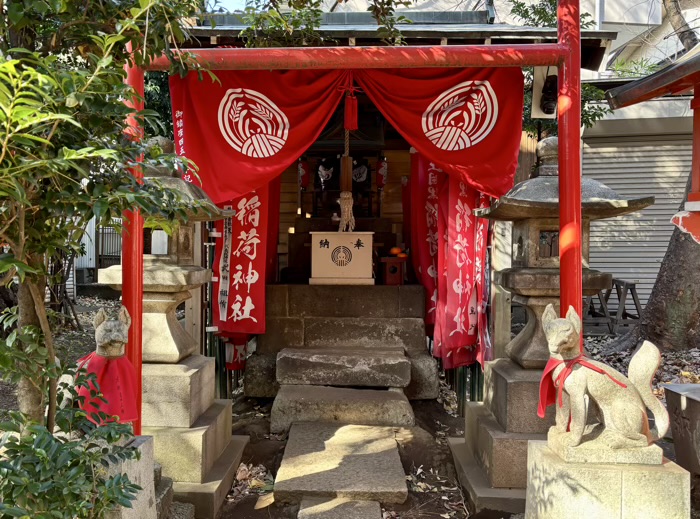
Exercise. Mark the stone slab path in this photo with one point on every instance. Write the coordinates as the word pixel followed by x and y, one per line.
pixel 339 405
pixel 355 462
pixel 338 508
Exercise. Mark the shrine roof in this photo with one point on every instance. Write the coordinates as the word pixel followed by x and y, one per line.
pixel 679 77
pixel 427 28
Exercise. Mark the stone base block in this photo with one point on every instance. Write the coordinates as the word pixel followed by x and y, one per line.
pixel 425 380
pixel 331 367
pixel 281 333
pixel 683 402
pixel 295 404
pixel 164 497
pixel 260 379
pixel 175 395
pixel 140 471
pixel 482 496
pixel 341 281
pixel 349 461
pixel 356 333
pixel 338 508
pixel 181 511
pixel 164 338
pixel 557 489
pixel 502 455
pixel 188 454
pixel 595 449
pixel 511 393
pixel 209 495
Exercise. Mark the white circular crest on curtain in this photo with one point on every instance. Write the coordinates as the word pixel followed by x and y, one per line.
pixel 252 124
pixel 461 116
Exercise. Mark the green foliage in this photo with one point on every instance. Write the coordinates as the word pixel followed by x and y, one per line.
pixel 65 157
pixel 634 68
pixel 543 13
pixel 270 26
pixel 384 11
pixel 157 95
pixel 296 23
pixel 43 475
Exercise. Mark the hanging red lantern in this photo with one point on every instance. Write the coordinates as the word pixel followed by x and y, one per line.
pixel 303 169
pixel 382 172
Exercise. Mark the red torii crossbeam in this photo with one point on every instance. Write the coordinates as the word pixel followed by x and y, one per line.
pixel 565 54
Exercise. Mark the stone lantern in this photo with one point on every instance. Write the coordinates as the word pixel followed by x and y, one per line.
pixel 191 429
pixel 493 456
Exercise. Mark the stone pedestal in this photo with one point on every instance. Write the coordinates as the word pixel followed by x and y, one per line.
pixel 529 347
pixel 560 490
pixel 496 435
pixel 140 472
pixel 683 402
pixel 191 430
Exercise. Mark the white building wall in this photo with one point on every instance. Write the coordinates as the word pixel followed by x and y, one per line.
pixel 87 261
pixel 640 151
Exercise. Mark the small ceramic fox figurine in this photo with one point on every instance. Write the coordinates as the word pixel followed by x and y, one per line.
pixel 622 401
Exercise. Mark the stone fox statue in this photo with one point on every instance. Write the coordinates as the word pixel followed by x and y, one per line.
pixel 114 373
pixel 576 381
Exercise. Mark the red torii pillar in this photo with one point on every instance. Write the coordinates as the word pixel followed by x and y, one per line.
pixel 566 54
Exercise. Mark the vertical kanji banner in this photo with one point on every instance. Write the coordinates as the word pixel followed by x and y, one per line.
pixel 425 178
pixel 240 263
pixel 483 289
pixel 442 207
pixel 460 335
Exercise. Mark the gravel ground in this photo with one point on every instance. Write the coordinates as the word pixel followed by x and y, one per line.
pixel 71 344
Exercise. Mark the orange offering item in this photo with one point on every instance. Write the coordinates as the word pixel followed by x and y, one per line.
pixel 402 255
pixel 395 251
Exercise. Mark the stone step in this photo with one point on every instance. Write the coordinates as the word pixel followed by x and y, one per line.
pixel 181 511
pixel 338 508
pixel 340 367
pixel 355 462
pixel 188 454
pixel 208 496
pixel 345 301
pixel 482 496
pixel 502 455
pixel 295 404
pixel 164 497
pixel 357 333
pixel 343 332
pixel 175 395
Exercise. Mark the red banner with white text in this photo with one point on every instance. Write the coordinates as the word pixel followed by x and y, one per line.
pixel 458 302
pixel 240 264
pixel 424 229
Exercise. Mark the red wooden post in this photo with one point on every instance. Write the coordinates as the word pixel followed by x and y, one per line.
pixel 570 250
pixel 694 195
pixel 132 248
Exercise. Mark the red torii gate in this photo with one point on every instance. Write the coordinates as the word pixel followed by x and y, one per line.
pixel 565 54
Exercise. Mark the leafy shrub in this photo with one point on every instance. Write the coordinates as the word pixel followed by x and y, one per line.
pixel 65 475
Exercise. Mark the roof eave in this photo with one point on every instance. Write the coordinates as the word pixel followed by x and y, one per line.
pixel 674 79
